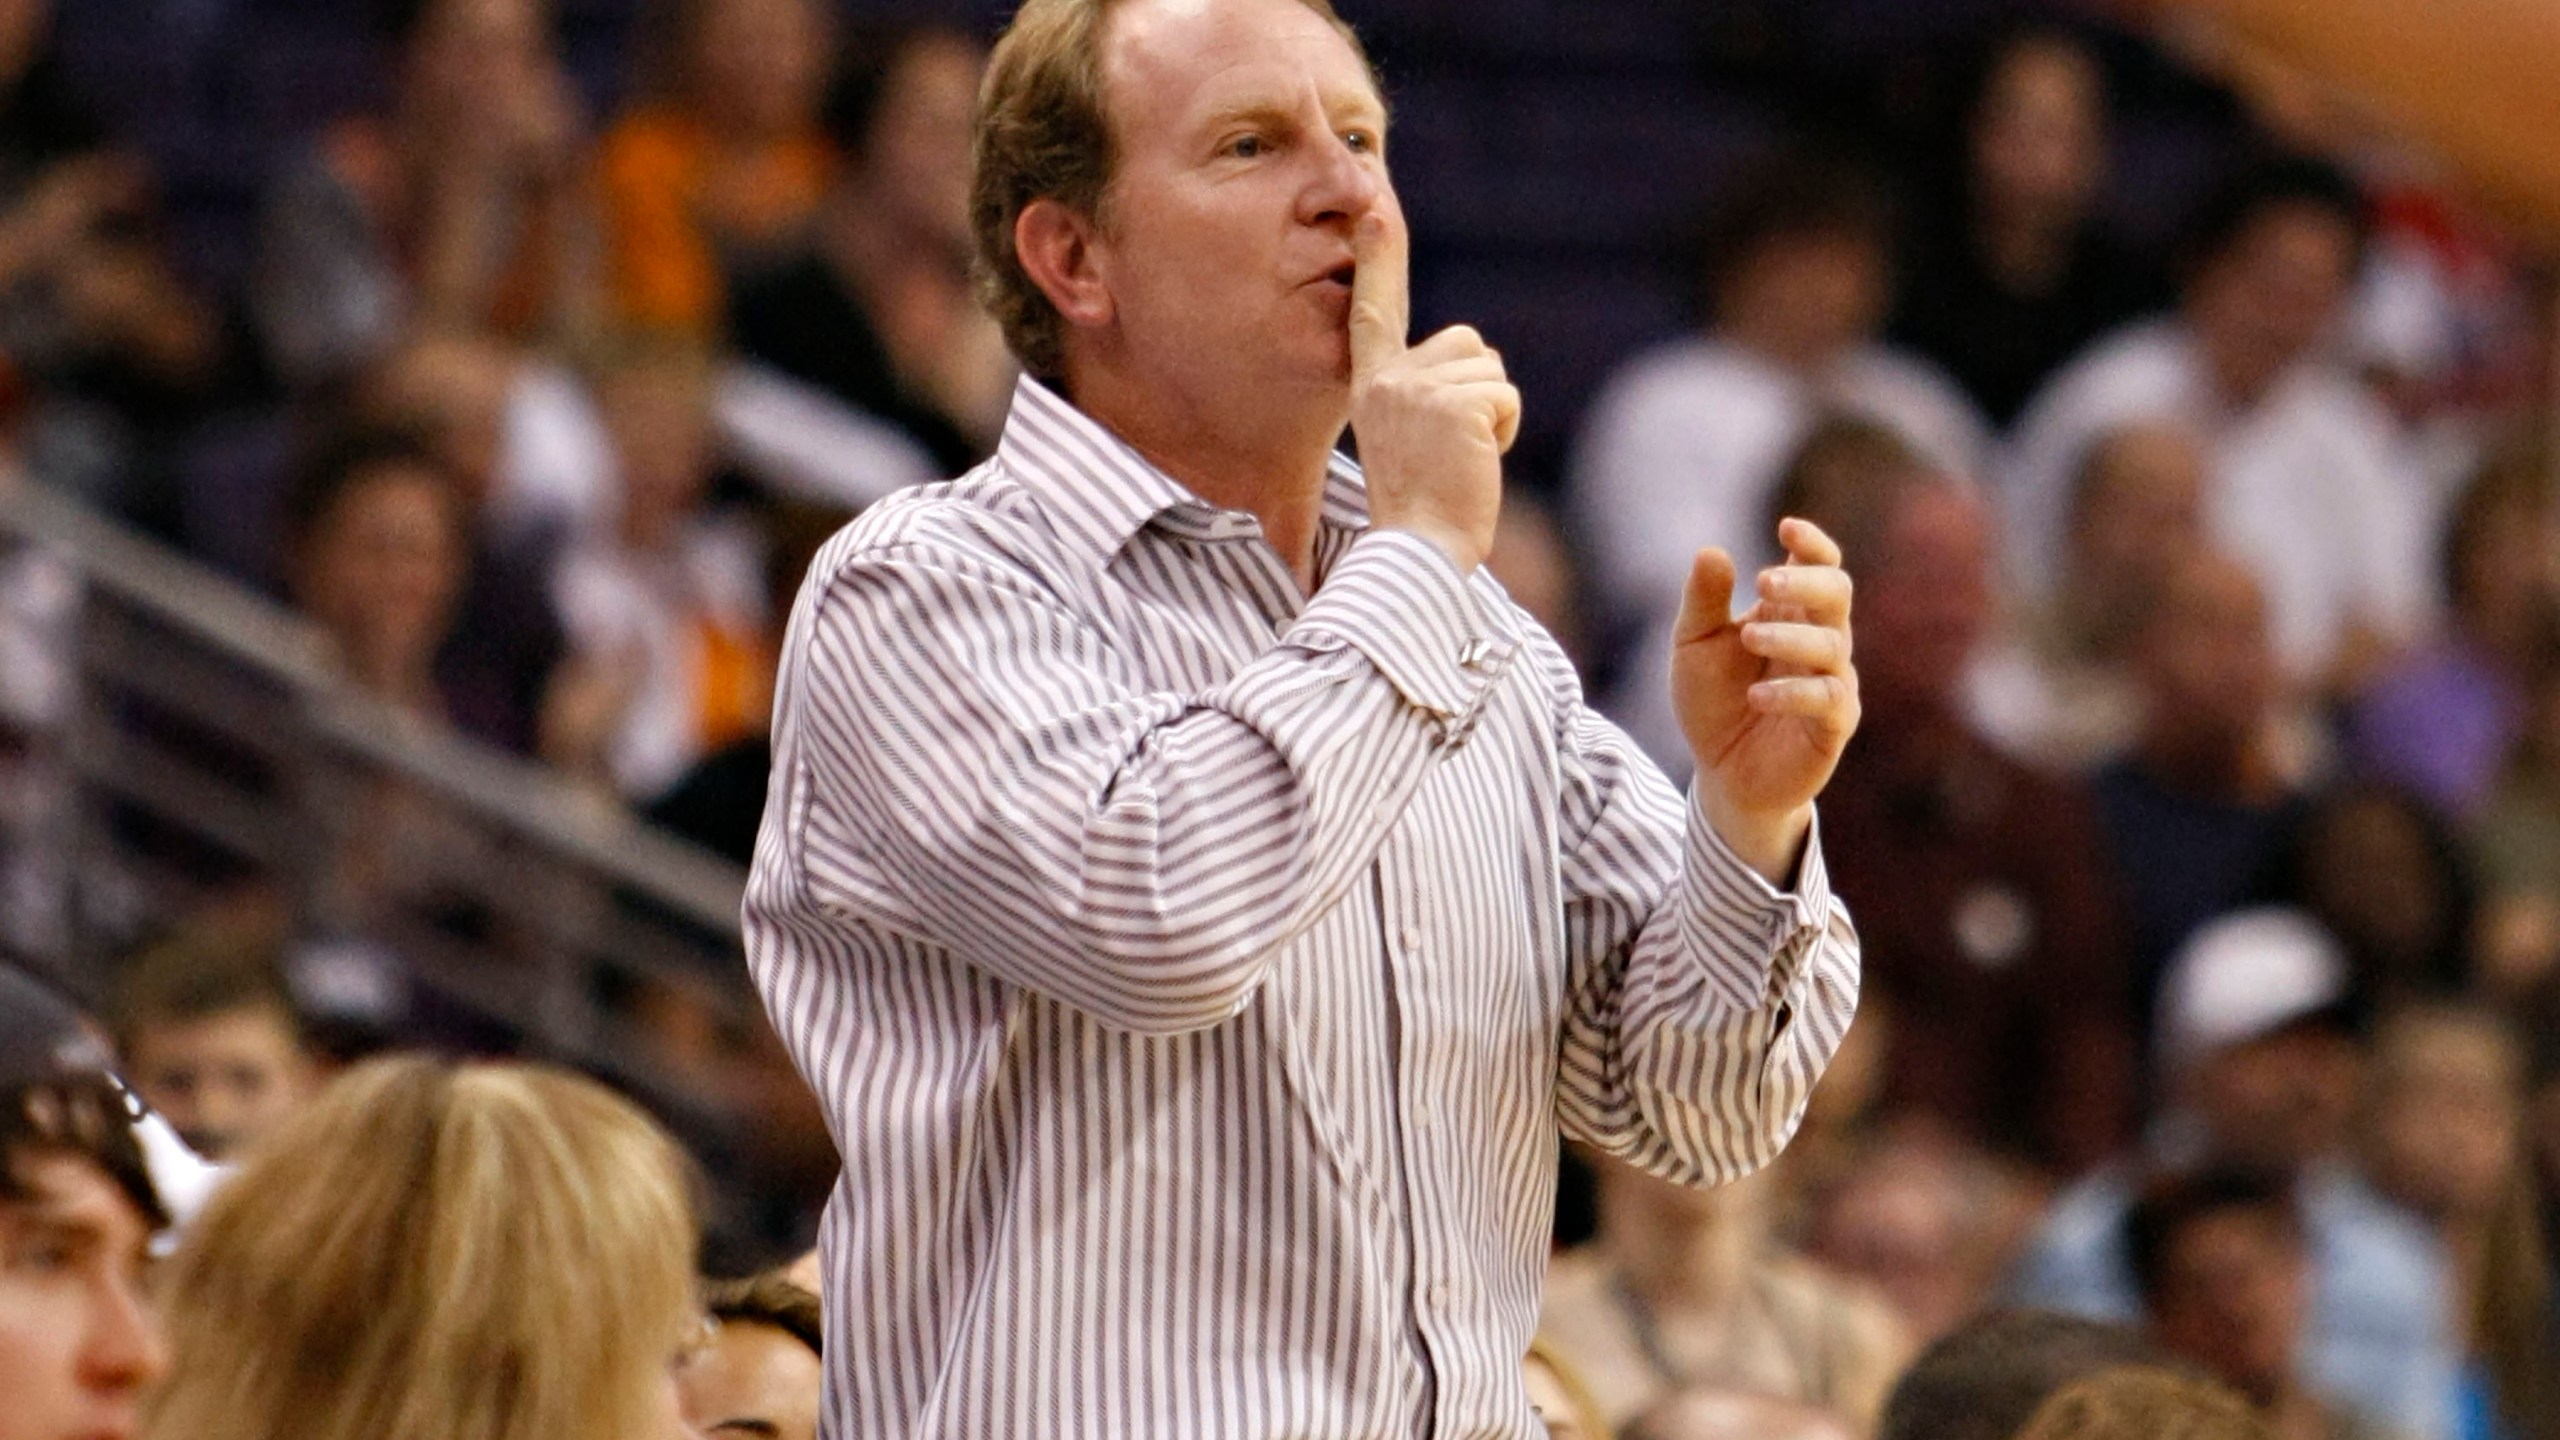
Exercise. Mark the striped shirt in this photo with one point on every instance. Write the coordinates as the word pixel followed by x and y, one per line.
pixel 1197 974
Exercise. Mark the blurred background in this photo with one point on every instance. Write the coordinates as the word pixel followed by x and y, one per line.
pixel 416 417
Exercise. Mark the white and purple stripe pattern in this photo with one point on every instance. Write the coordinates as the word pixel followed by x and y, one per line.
pixel 1197 976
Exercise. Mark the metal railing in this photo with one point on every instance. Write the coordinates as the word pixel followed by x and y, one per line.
pixel 172 737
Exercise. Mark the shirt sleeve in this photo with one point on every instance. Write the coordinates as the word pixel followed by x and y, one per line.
pixel 1703 1002
pixel 969 760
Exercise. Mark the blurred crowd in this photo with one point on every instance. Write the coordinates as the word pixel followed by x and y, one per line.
pixel 2203 829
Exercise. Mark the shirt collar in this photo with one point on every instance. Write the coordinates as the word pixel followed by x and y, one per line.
pixel 1101 492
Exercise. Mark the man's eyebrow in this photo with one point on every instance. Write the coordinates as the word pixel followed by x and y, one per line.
pixel 748 1426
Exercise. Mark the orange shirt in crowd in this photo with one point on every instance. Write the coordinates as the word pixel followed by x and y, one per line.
pixel 670 209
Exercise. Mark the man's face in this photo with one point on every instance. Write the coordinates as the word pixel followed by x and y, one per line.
pixel 77 1344
pixel 1924 602
pixel 2233 1298
pixel 2206 661
pixel 753 1380
pixel 2267 299
pixel 223 1080
pixel 1251 141
pixel 2278 1102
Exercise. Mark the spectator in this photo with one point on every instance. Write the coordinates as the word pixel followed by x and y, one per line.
pixel 1986 1380
pixel 1928 1222
pixel 877 311
pixel 1683 446
pixel 377 540
pixel 474 402
pixel 1990 935
pixel 2514 844
pixel 2221 1261
pixel 721 165
pixel 1685 1288
pixel 212 1039
pixel 2064 692
pixel 463 208
pixel 2383 875
pixel 759 1375
pixel 2241 363
pixel 78 1340
pixel 670 658
pixel 2445 1136
pixel 2259 1062
pixel 99 340
pixel 497 1251
pixel 2443 722
pixel 2140 1402
pixel 2014 274
pixel 2197 814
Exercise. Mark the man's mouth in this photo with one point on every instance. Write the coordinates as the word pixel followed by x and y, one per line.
pixel 1340 274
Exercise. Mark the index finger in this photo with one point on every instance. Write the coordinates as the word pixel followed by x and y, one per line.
pixel 1381 297
pixel 1806 544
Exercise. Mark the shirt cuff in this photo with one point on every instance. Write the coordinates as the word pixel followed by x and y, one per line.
pixel 1399 601
pixel 1757 939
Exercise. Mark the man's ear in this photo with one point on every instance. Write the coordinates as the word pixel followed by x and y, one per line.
pixel 1055 245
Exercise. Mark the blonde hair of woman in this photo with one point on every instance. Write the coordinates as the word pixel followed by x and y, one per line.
pixel 438 1252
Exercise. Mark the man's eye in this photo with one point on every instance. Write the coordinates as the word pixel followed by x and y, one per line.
pixel 1360 140
pixel 1246 147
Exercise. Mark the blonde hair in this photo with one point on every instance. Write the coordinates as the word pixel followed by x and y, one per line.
pixel 2142 1402
pixel 1044 132
pixel 436 1252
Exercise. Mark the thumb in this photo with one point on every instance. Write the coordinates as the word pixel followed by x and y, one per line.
pixel 1706 606
pixel 1381 299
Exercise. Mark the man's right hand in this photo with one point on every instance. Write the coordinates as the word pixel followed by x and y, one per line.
pixel 1434 419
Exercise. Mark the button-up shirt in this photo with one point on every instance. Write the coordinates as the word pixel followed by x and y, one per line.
pixel 1197 973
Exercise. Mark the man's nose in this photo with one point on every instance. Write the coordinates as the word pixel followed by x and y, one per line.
pixel 1348 183
pixel 125 1350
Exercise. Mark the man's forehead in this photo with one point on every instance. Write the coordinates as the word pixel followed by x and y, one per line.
pixel 1175 58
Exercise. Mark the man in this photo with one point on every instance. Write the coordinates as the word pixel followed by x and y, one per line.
pixel 1197 896
pixel 2196 813
pixel 2258 1062
pixel 2219 1258
pixel 78 1343
pixel 758 1379
pixel 212 1039
pixel 2290 433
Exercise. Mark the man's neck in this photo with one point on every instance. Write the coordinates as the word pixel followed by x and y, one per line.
pixel 1268 461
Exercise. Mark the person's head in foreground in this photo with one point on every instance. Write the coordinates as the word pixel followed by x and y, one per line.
pixel 2258 1041
pixel 78 1343
pixel 430 1251
pixel 2143 1402
pixel 2225 1276
pixel 211 1039
pixel 1988 1378
pixel 758 1377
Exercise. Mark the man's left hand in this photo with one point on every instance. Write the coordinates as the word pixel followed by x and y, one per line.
pixel 1767 701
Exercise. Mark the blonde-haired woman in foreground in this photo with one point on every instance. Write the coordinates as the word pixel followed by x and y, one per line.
pixel 439 1252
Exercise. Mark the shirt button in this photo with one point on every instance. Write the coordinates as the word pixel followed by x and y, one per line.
pixel 1423 1117
pixel 1409 938
pixel 1437 1294
pixel 1384 812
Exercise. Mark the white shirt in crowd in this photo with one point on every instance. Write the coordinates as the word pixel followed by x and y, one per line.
pixel 1684 446
pixel 2311 488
